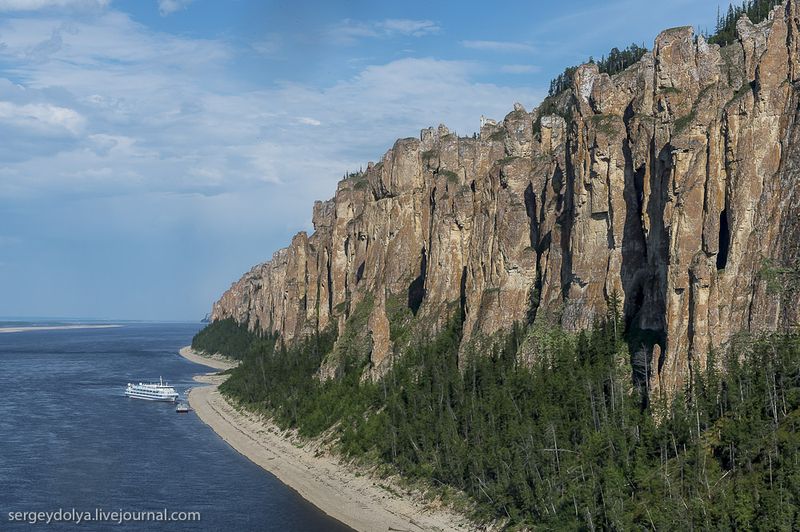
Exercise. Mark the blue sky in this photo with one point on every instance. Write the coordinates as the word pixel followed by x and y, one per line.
pixel 153 151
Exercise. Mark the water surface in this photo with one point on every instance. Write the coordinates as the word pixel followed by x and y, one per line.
pixel 70 439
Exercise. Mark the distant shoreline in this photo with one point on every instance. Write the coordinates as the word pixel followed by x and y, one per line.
pixel 54 328
pixel 362 502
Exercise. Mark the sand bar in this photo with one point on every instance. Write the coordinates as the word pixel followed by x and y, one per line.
pixel 54 328
pixel 214 361
pixel 361 501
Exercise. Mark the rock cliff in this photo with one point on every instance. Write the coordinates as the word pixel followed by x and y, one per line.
pixel 673 184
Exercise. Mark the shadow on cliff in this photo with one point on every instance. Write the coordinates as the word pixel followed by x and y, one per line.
pixel 642 272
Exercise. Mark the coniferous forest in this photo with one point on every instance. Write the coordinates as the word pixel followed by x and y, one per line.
pixel 564 441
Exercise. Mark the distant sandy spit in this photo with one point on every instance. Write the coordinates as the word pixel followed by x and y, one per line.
pixel 361 501
pixel 54 328
pixel 212 361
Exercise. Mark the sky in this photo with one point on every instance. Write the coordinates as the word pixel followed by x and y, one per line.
pixel 152 151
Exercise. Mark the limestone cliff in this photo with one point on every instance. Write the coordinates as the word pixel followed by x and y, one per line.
pixel 673 184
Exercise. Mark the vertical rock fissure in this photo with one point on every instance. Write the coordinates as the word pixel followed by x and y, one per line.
pixel 534 292
pixel 530 209
pixel 724 240
pixel 657 243
pixel 416 290
pixel 360 272
pixel 565 219
pixel 690 326
pixel 611 240
pixel 432 217
pixel 634 248
pixel 462 296
pixel 330 285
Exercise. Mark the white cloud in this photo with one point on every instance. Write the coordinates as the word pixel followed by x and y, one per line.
pixel 134 111
pixel 106 144
pixel 520 69
pixel 178 151
pixel 41 118
pixel 109 51
pixel 499 46
pixel 167 7
pixel 403 26
pixel 182 153
pixel 309 121
pixel 34 5
pixel 349 31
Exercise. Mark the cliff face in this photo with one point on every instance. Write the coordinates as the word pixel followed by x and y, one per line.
pixel 673 184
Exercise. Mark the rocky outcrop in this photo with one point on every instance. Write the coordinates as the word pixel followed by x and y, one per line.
pixel 673 185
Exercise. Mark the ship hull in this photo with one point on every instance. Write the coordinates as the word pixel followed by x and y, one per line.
pixel 146 398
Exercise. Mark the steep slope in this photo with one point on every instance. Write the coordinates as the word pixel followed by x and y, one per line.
pixel 673 185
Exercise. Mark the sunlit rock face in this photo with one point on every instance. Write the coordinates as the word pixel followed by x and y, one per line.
pixel 673 184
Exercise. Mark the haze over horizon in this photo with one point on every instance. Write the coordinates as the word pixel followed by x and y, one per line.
pixel 155 151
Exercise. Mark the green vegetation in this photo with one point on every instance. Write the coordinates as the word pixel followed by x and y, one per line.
pixel 779 278
pixel 499 135
pixel 617 61
pixel 353 175
pixel 451 176
pixel 351 351
pixel 606 123
pixel 744 89
pixel 429 154
pixel 669 90
pixel 400 319
pixel 225 337
pixel 725 30
pixel 283 381
pixel 550 106
pixel 684 121
pixel 564 443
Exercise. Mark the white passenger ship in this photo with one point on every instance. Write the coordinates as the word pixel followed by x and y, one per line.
pixel 156 391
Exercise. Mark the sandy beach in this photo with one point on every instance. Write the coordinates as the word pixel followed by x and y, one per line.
pixel 359 500
pixel 213 361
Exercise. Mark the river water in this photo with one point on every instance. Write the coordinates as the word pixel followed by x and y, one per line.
pixel 70 440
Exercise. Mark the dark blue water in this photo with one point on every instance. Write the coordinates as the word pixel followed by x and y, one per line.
pixel 70 439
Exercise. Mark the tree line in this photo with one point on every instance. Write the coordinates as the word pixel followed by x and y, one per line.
pixel 725 28
pixel 564 442
pixel 618 60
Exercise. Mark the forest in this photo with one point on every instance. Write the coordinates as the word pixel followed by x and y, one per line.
pixel 562 441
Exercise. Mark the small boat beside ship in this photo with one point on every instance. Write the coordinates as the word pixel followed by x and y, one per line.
pixel 153 391
pixel 182 408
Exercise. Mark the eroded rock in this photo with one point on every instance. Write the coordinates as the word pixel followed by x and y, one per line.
pixel 671 185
